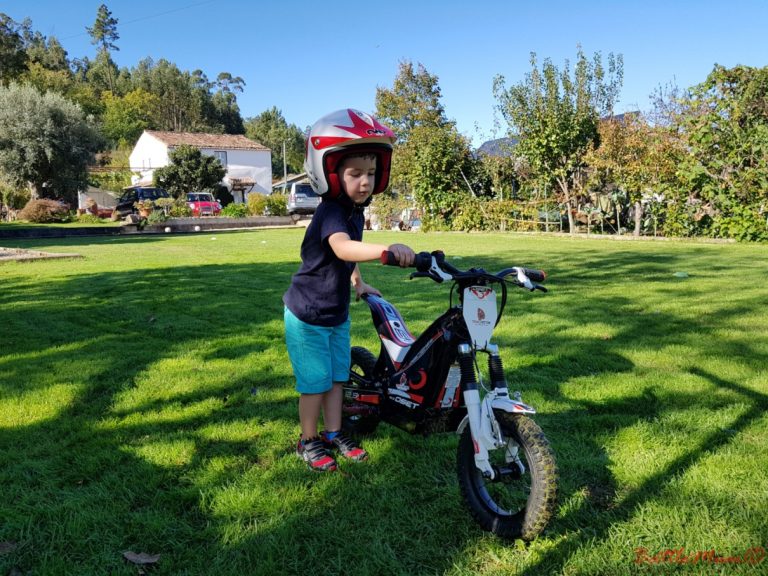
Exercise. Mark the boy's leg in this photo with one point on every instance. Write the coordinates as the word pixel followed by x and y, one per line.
pixel 332 402
pixel 334 437
pixel 309 413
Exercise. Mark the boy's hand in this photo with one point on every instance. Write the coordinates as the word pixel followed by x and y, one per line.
pixel 363 288
pixel 403 254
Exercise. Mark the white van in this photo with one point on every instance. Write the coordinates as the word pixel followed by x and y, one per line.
pixel 302 199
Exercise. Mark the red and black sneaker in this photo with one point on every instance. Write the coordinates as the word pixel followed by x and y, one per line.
pixel 345 445
pixel 315 455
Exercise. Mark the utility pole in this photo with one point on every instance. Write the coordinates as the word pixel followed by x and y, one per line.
pixel 285 171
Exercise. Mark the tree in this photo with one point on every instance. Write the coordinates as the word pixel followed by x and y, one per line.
pixel 413 100
pixel 271 129
pixel 13 57
pixel 189 170
pixel 46 142
pixel 125 118
pixel 104 34
pixel 431 161
pixel 554 115
pixel 725 128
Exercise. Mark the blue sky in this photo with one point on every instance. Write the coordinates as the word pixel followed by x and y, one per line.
pixel 311 57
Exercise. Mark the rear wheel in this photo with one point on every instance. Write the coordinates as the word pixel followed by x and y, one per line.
pixel 359 417
pixel 519 502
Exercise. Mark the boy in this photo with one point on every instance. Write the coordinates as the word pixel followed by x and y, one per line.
pixel 348 160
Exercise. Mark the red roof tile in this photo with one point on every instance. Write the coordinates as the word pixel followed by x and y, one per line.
pixel 203 140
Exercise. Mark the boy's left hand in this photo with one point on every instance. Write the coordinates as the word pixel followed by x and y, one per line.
pixel 363 288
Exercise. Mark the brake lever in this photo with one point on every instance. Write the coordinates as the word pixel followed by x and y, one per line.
pixel 429 275
pixel 539 287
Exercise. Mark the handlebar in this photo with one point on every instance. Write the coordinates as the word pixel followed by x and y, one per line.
pixel 435 266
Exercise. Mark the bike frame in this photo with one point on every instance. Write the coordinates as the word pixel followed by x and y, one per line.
pixel 414 372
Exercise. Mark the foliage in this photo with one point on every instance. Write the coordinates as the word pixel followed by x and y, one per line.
pixel 235 210
pixel 112 173
pixel 271 130
pixel 13 197
pixel 189 169
pixel 386 209
pixel 413 100
pixel 431 159
pixel 12 53
pixel 44 210
pixel 725 128
pixel 257 204
pixel 277 205
pixel 46 142
pixel 554 115
pixel 126 117
pixel 157 217
pixel 88 218
pixel 179 209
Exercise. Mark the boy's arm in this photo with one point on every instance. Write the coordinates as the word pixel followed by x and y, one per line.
pixel 360 286
pixel 354 251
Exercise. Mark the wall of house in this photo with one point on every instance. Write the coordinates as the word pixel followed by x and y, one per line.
pixel 149 153
pixel 253 164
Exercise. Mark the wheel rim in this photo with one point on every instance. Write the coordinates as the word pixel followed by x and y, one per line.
pixel 508 495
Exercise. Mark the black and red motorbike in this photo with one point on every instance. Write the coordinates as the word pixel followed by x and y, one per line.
pixel 506 468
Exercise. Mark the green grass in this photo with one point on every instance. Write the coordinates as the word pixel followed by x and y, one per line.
pixel 147 404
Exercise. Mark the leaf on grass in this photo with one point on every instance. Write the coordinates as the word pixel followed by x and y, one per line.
pixel 141 558
pixel 6 547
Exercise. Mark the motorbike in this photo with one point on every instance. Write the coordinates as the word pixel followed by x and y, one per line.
pixel 506 469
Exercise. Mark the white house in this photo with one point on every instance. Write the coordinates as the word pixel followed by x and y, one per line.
pixel 248 163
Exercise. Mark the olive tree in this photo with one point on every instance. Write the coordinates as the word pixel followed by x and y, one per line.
pixel 46 142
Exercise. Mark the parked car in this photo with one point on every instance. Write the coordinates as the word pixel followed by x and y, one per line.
pixel 302 199
pixel 125 204
pixel 203 204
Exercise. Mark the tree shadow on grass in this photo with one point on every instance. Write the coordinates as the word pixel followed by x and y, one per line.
pixel 163 447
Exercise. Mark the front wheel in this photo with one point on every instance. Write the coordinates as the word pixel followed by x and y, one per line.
pixel 519 502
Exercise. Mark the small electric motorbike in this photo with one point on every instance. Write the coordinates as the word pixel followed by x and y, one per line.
pixel 506 468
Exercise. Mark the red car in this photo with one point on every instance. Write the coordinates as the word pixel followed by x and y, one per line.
pixel 203 204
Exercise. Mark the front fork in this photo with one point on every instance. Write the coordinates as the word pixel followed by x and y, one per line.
pixel 485 429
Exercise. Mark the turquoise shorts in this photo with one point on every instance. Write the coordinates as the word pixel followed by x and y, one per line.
pixel 319 354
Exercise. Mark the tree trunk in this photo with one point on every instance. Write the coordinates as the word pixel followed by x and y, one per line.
pixel 638 217
pixel 35 191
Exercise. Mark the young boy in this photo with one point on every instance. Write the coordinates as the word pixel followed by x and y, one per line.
pixel 348 160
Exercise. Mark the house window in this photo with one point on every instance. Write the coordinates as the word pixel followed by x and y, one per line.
pixel 222 157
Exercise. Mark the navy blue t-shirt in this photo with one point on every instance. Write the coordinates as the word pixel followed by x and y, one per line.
pixel 320 291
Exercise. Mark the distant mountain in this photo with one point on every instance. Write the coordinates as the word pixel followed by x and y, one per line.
pixel 498 147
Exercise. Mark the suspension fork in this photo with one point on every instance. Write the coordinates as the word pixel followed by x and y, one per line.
pixel 477 412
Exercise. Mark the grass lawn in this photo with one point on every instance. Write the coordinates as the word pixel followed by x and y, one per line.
pixel 147 405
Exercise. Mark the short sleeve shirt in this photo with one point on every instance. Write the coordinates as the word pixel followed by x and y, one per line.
pixel 319 293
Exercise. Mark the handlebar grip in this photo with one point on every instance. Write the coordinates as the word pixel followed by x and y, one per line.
pixel 535 275
pixel 422 262
pixel 388 258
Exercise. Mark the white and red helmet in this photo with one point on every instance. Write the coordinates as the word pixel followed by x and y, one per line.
pixel 342 133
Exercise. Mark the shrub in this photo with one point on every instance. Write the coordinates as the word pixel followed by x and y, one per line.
pixel 179 209
pixel 88 218
pixel 156 217
pixel 235 210
pixel 257 204
pixel 277 205
pixel 44 210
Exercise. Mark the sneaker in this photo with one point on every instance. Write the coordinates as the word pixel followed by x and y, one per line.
pixel 315 455
pixel 346 446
